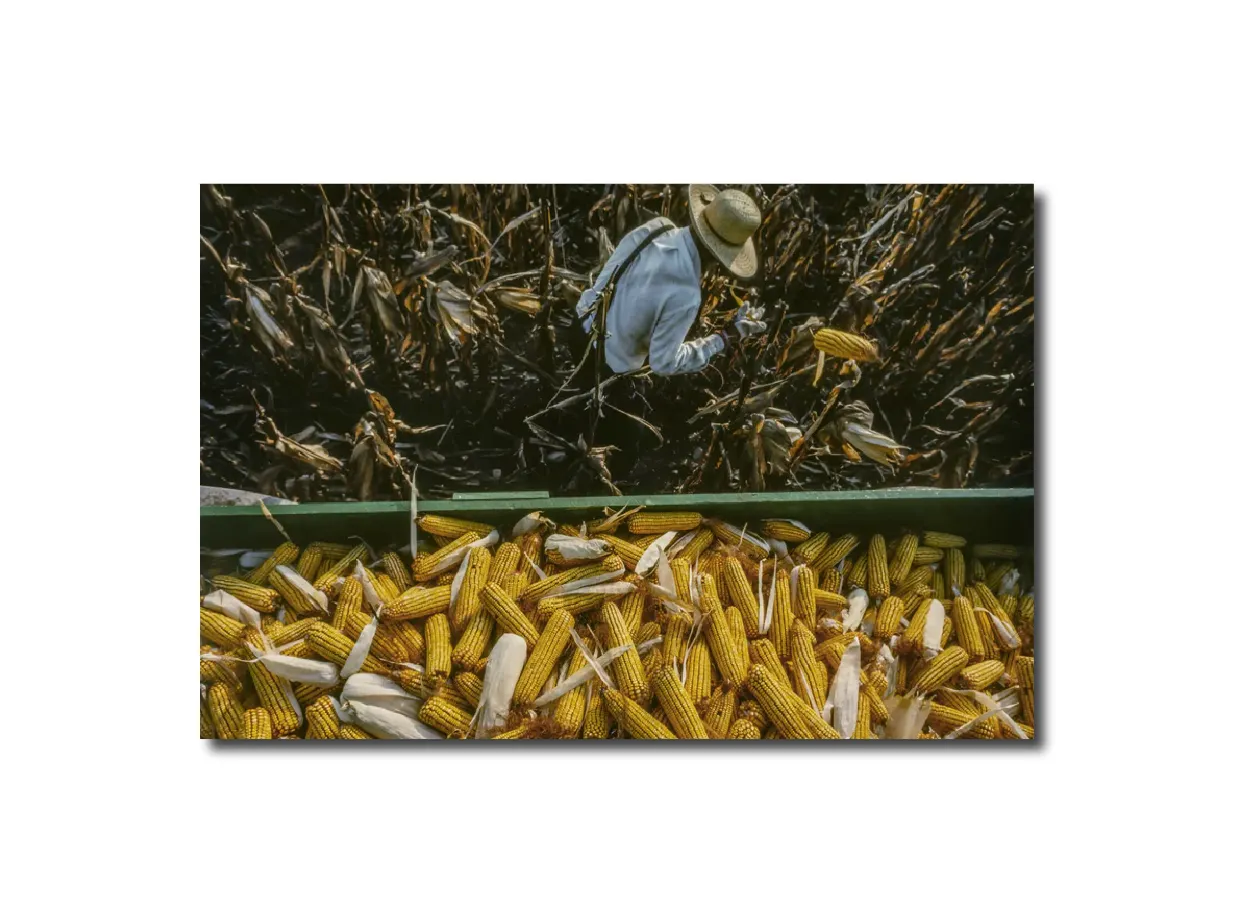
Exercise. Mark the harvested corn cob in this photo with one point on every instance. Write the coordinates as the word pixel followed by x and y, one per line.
pixel 418 602
pixel 445 527
pixel 257 725
pixel 543 657
pixel 285 553
pixel 263 599
pixel 718 714
pixel 437 646
pixel 678 708
pixel 445 716
pixel 627 668
pixel 844 345
pixel 633 718
pixel 902 558
pixel 226 714
pixel 659 523
pixel 741 729
pixel 322 720
pixel 876 564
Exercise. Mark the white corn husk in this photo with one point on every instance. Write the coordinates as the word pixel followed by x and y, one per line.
pixel 530 523
pixel 1006 633
pixel 610 588
pixel 746 536
pixel 592 660
pixel 370 592
pixel 654 554
pixel 359 650
pixel 764 606
pixel 847 690
pixel 854 614
pixel 301 669
pixel 224 602
pixel 451 561
pixel 671 602
pixel 833 624
pixel 386 724
pixel 381 692
pixel 584 584
pixel 251 559
pixel 993 706
pixel 577 549
pixel 315 595
pixel 968 725
pixel 613 520
pixel 649 644
pixel 505 663
pixel 1009 581
pixel 578 677
pixel 456 585
pixel 778 548
pixel 907 717
pixel 932 637
pixel 679 544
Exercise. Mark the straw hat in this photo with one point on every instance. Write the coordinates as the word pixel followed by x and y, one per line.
pixel 725 222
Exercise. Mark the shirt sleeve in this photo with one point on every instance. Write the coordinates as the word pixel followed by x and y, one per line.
pixel 670 352
pixel 624 248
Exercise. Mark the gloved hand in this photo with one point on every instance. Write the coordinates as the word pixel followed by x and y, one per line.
pixel 749 321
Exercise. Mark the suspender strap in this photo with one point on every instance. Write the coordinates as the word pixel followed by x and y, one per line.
pixel 611 284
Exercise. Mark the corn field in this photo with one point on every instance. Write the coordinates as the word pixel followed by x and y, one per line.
pixel 357 339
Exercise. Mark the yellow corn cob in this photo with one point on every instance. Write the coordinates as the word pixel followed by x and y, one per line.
pixel 747 542
pixel 515 584
pixel 1024 668
pixel 750 710
pixel 741 596
pixel 811 548
pixel 942 669
pixel 285 553
pixel 994 575
pixel 543 657
pixel 830 601
pixel 1027 613
pixel 277 702
pixel 348 604
pixel 996 552
pixel 308 564
pixel 437 646
pixel 474 641
pixel 328 643
pixel 911 639
pixel 468 602
pixel 939 585
pixel 832 582
pixel 987 632
pixel 537 591
pixel 226 713
pixel 257 725
pixel 445 527
pixel 978 571
pixel 862 730
pixel 878 711
pixel 307 693
pixel 698 672
pixel 942 540
pixel 632 607
pixel 785 530
pixel 927 555
pixel 968 631
pixel 804 603
pixel 981 675
pixel 659 523
pixel 297 602
pixel 809 679
pixel 835 552
pixel 445 716
pixel 597 724
pixel 351 732
pixel 953 569
pixel 424 564
pixel 698 543
pixel 763 653
pixel 831 650
pixel 387 590
pixel 834 342
pixel 673 648
pixel 326 580
pixel 1010 604
pixel 944 720
pixel 469 686
pixel 723 646
pixel 947 626
pixel 216 671
pixel 901 561
pixel 568 710
pixel 627 668
pixel 626 550
pixel 409 637
pixel 741 729
pixel 574 603
pixel 791 716
pixel 676 701
pixel 396 570
pixel 220 629
pixel 646 632
pixel 207 726
pixel 322 720
pixel 417 603
pixel 505 562
pixel 633 718
pixel 983 596
pixel 261 598
pixel 878 567
pixel 781 602
pixel 857 574
pixel 680 569
pixel 887 621
pixel 718 713
pixel 282 633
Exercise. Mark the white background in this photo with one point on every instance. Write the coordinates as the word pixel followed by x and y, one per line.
pixel 113 115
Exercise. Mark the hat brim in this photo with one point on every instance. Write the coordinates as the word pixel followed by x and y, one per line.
pixel 739 259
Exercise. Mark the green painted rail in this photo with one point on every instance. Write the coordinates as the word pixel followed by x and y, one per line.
pixel 982 515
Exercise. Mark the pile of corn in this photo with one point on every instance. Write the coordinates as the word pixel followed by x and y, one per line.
pixel 643 624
